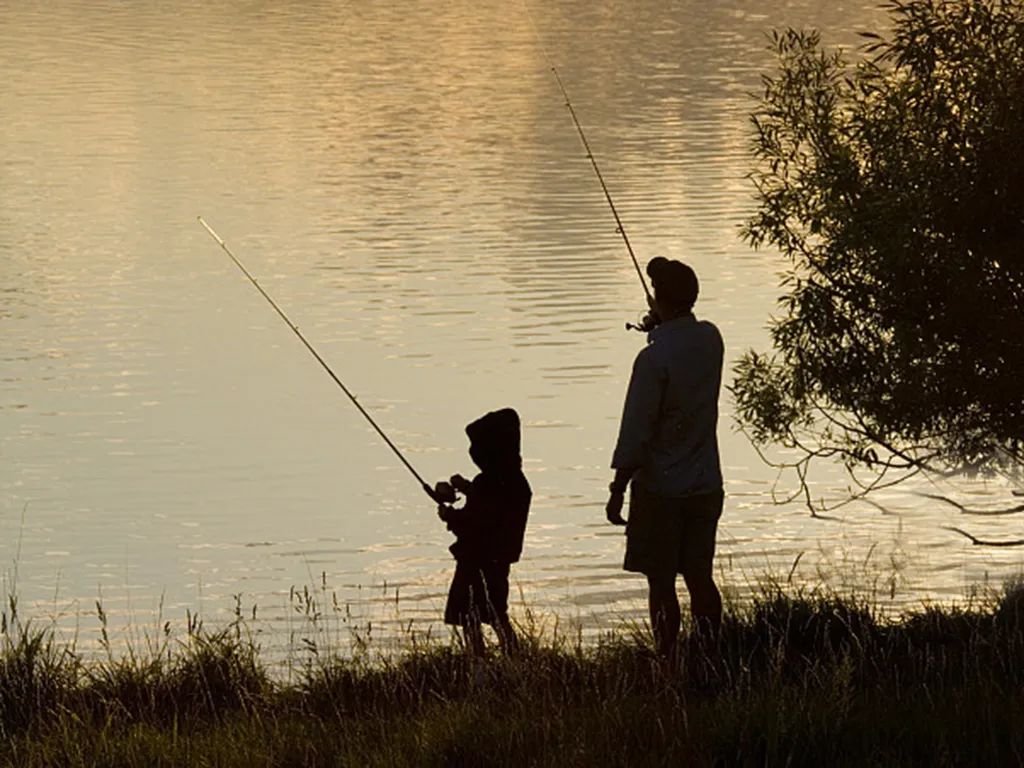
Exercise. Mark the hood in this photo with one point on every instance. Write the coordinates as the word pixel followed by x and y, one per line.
pixel 494 440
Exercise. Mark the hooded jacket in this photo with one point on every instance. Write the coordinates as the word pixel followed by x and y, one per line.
pixel 491 525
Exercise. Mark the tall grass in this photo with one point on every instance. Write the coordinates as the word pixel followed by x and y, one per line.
pixel 800 678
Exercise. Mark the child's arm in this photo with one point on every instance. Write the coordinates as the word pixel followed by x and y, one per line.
pixel 442 493
pixel 447 492
pixel 460 484
pixel 458 517
pixel 454 516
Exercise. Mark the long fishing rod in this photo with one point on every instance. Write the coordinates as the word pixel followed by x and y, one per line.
pixel 319 359
pixel 604 187
pixel 651 318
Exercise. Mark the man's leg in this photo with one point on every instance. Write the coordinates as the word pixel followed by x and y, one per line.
pixel 664 607
pixel 701 514
pixel 705 601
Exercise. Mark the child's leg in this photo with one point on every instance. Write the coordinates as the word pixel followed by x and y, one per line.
pixel 507 638
pixel 473 634
pixel 496 581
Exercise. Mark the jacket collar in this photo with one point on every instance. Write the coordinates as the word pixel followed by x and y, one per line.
pixel 669 326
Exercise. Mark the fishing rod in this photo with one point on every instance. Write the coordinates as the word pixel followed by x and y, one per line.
pixel 430 492
pixel 650 318
pixel 604 187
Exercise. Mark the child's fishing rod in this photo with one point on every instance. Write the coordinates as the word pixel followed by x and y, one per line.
pixel 319 359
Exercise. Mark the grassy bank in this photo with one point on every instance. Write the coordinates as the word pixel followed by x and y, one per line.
pixel 797 680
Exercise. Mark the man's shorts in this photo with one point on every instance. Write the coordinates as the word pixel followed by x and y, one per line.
pixel 667 535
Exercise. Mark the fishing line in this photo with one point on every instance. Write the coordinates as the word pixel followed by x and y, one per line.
pixel 319 359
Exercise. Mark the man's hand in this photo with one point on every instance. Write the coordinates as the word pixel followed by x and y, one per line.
pixel 443 512
pixel 613 509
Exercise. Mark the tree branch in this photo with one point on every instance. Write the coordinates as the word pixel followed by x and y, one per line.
pixel 985 542
pixel 980 512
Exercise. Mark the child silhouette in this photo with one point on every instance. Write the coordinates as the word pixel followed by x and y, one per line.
pixel 488 529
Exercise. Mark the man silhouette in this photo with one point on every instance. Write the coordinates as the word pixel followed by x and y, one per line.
pixel 667 453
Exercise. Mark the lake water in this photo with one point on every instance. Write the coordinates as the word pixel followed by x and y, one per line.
pixel 405 181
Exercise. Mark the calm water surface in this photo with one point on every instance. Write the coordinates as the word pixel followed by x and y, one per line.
pixel 405 181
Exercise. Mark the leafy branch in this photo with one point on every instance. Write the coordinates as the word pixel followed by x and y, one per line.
pixel 894 187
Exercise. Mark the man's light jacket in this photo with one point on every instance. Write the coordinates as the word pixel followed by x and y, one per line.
pixel 668 431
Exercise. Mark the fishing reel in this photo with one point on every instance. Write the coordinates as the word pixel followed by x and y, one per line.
pixel 448 492
pixel 646 324
pixel 443 493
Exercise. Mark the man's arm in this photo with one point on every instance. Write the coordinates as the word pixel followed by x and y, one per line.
pixel 617 495
pixel 636 430
pixel 639 414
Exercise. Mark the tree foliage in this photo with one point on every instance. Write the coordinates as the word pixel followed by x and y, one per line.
pixel 894 185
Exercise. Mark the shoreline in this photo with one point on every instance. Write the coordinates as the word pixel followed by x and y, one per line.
pixel 797 679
